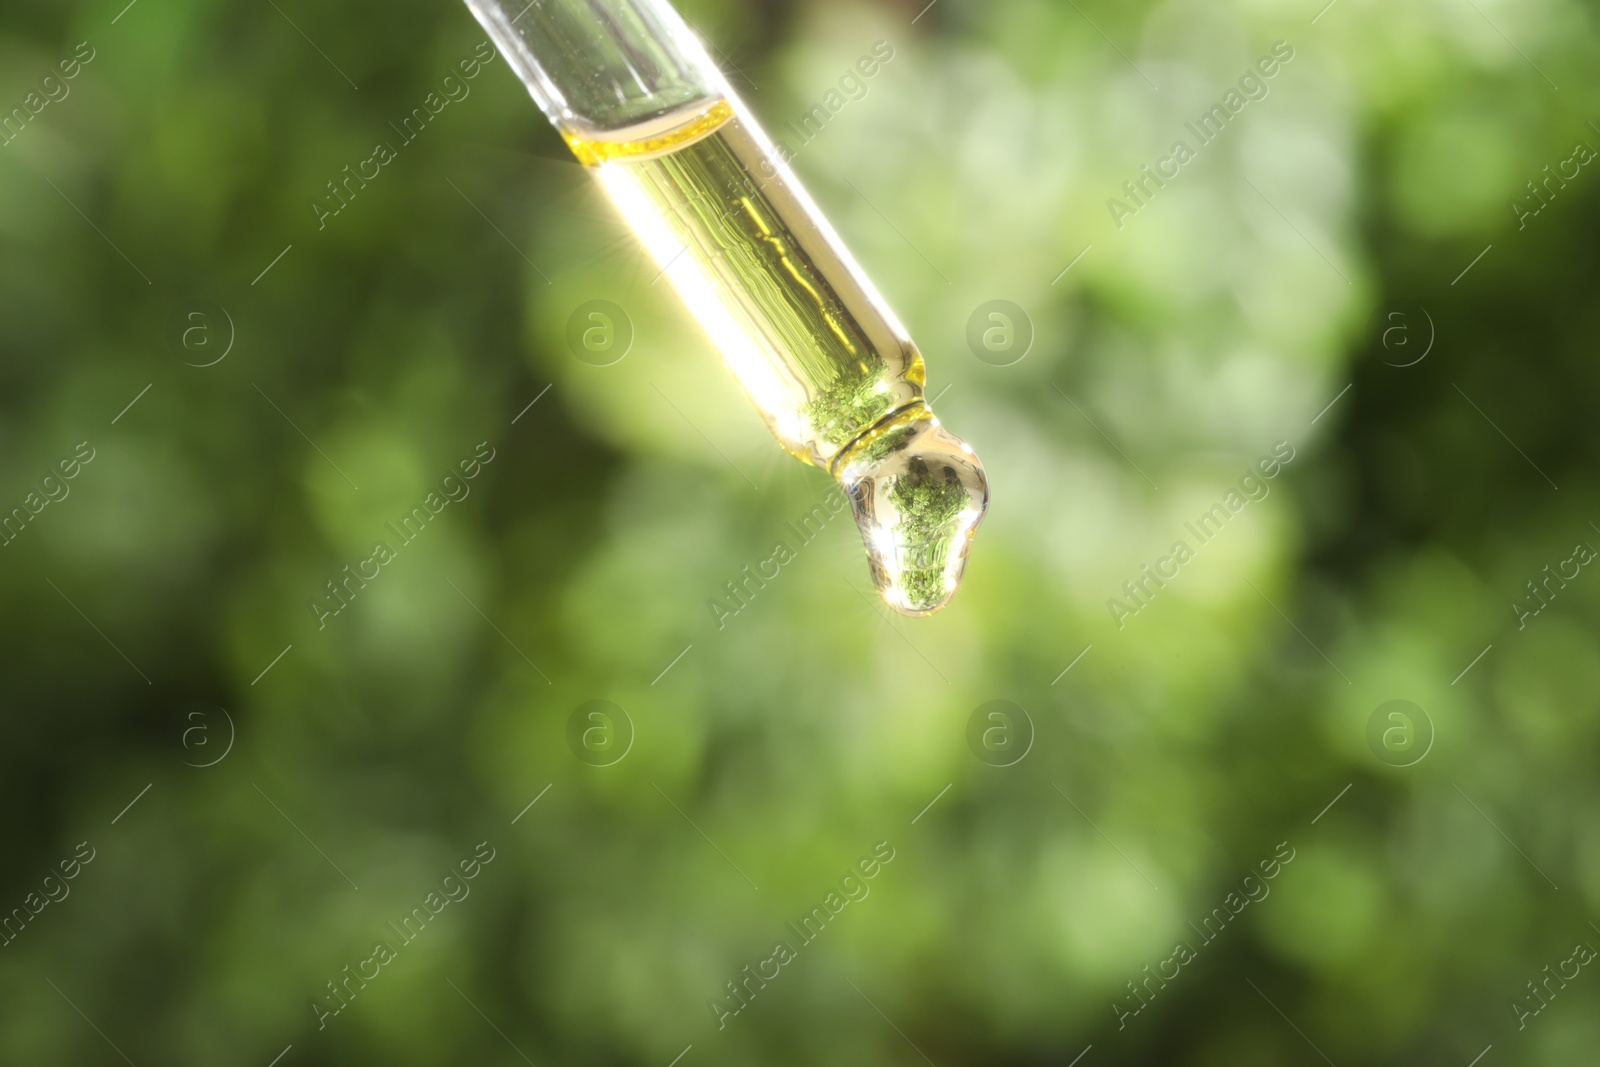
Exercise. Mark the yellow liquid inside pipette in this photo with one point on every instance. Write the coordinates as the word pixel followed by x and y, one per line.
pixel 825 362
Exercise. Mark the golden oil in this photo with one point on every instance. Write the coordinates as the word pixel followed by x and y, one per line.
pixel 819 353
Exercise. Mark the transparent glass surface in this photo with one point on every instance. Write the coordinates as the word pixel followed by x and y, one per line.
pixel 600 64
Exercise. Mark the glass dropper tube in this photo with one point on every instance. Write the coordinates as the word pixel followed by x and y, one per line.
pixel 820 355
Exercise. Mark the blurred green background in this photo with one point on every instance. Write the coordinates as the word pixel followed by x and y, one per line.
pixel 238 762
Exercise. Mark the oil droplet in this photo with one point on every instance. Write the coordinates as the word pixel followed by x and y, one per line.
pixel 918 493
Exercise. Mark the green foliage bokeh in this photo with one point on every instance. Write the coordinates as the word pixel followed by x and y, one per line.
pixel 1247 302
